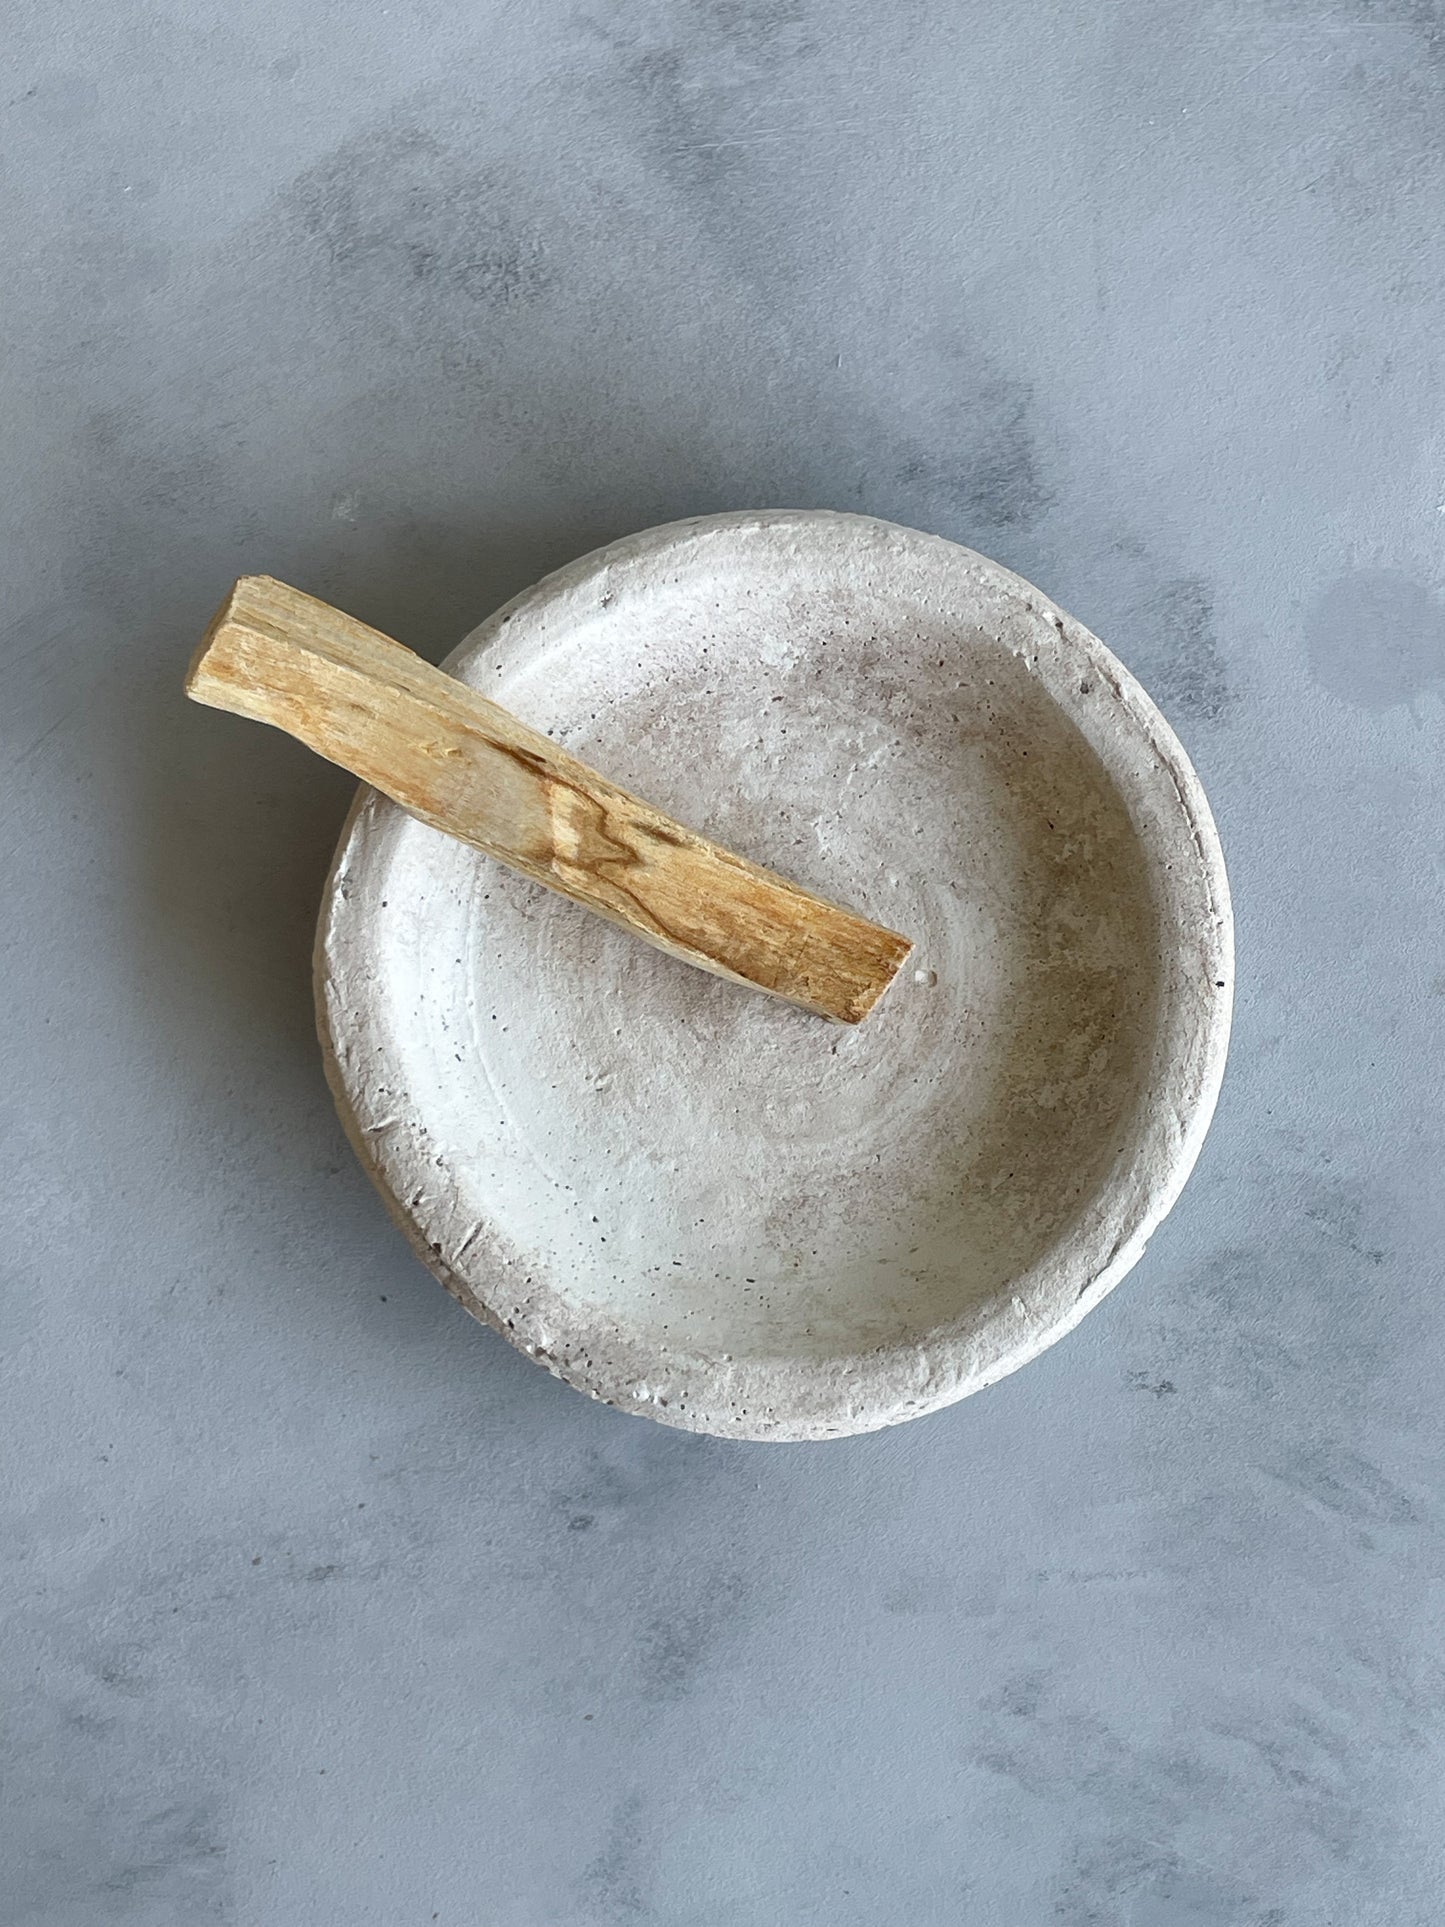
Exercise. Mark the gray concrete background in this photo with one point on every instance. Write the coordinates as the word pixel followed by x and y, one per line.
pixel 322 1605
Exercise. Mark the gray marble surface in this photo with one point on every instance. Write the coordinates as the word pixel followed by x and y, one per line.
pixel 324 1607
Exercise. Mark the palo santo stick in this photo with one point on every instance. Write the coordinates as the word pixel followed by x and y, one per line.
pixel 462 764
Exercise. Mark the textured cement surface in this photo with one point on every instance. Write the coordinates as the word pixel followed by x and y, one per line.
pixel 321 1605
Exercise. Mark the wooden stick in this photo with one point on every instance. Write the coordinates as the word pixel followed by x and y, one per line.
pixel 464 765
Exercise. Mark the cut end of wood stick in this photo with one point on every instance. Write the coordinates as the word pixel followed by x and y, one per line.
pixel 466 766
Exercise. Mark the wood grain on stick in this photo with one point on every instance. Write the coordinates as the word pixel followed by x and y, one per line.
pixel 461 763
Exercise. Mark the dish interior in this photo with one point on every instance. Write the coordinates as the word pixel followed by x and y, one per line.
pixel 705 1171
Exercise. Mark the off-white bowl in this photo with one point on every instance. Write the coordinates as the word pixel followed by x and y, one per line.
pixel 697 1202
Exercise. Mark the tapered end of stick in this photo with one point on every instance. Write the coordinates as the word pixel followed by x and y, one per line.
pixel 873 960
pixel 211 674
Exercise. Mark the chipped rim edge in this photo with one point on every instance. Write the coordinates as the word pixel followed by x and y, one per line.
pixel 959 1360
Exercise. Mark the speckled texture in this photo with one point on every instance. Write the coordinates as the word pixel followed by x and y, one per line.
pixel 322 1606
pixel 705 1207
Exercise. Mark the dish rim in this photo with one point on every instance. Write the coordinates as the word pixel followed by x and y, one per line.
pixel 793 1399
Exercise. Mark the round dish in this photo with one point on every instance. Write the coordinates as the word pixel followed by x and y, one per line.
pixel 701 1204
